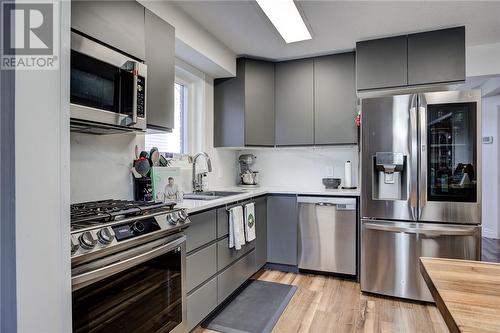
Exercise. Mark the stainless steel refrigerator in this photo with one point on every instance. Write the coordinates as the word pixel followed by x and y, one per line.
pixel 421 187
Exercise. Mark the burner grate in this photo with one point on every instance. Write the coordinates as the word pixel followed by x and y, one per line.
pixel 91 213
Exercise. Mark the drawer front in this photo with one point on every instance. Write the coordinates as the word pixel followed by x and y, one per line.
pixel 233 277
pixel 222 222
pixel 201 303
pixel 202 229
pixel 227 255
pixel 200 266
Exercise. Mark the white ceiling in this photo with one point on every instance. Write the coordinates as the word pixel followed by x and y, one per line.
pixel 337 25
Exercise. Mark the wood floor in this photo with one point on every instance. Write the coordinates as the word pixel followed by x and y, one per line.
pixel 327 304
pixel 491 250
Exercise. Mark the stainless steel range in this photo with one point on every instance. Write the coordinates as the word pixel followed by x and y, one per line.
pixel 128 266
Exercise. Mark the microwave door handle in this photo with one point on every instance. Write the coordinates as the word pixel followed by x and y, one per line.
pixel 134 93
pixel 87 278
pixel 133 68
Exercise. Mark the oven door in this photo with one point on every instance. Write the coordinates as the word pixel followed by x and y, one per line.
pixel 139 290
pixel 107 87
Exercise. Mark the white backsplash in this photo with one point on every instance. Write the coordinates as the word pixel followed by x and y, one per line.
pixel 305 167
pixel 100 166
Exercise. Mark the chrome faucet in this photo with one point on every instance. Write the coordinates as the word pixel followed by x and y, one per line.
pixel 198 178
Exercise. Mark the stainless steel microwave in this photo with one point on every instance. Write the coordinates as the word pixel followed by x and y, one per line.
pixel 108 88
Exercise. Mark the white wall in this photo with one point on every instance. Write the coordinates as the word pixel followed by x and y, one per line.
pixel 482 60
pixel 42 193
pixel 490 170
pixel 303 168
pixel 100 166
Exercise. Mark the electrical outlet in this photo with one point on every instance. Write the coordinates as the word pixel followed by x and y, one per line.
pixel 329 171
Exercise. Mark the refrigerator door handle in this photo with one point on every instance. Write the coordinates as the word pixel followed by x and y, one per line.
pixel 422 113
pixel 413 165
pixel 427 231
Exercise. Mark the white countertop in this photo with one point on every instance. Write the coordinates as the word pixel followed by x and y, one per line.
pixel 193 206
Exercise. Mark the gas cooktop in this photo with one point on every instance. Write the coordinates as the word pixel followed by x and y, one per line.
pixel 88 214
pixel 103 227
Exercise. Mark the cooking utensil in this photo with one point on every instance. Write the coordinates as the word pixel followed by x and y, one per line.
pixel 162 161
pixel 142 166
pixel 154 156
pixel 135 173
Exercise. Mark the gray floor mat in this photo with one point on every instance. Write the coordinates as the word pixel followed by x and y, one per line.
pixel 256 309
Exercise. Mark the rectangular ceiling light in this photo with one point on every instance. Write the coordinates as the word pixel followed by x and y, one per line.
pixel 286 19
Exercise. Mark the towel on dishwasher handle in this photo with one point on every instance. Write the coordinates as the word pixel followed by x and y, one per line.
pixel 250 222
pixel 236 228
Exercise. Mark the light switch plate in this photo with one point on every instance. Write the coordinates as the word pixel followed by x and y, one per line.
pixel 329 171
pixel 487 139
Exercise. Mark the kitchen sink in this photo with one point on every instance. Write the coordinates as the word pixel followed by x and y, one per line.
pixel 209 195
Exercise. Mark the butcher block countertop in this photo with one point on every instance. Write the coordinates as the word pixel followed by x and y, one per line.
pixel 467 293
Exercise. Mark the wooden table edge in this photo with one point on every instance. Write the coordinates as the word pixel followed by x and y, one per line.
pixel 443 309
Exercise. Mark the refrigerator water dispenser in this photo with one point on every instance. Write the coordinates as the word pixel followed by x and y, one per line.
pixel 390 176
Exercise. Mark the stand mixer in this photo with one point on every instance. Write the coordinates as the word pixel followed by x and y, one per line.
pixel 248 178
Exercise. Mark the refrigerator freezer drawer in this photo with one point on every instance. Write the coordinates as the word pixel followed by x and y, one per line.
pixel 390 254
pixel 327 234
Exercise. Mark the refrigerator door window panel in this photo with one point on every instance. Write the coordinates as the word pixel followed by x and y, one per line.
pixel 450 172
pixel 390 254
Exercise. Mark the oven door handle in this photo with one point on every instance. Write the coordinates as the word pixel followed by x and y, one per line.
pixel 87 278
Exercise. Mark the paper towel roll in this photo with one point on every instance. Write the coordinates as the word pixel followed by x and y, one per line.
pixel 347 174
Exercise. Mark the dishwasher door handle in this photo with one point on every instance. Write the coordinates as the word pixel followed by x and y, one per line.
pixel 325 204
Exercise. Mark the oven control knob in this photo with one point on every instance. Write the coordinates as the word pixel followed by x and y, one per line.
pixel 138 227
pixel 106 236
pixel 183 216
pixel 87 240
pixel 172 218
pixel 74 245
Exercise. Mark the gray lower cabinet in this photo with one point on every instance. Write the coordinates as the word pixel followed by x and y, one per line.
pixel 335 99
pixel 260 232
pixel 160 59
pixel 244 106
pixel 382 63
pixel 436 56
pixel 294 93
pixel 226 255
pixel 201 302
pixel 202 229
pixel 282 225
pixel 234 276
pixel 222 222
pixel 200 266
pixel 116 23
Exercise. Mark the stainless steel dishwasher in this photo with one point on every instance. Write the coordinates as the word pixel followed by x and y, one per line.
pixel 327 234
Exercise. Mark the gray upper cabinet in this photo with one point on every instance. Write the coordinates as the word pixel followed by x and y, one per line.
pixel 244 106
pixel 259 103
pixel 116 23
pixel 294 85
pixel 335 99
pixel 382 63
pixel 436 56
pixel 160 59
